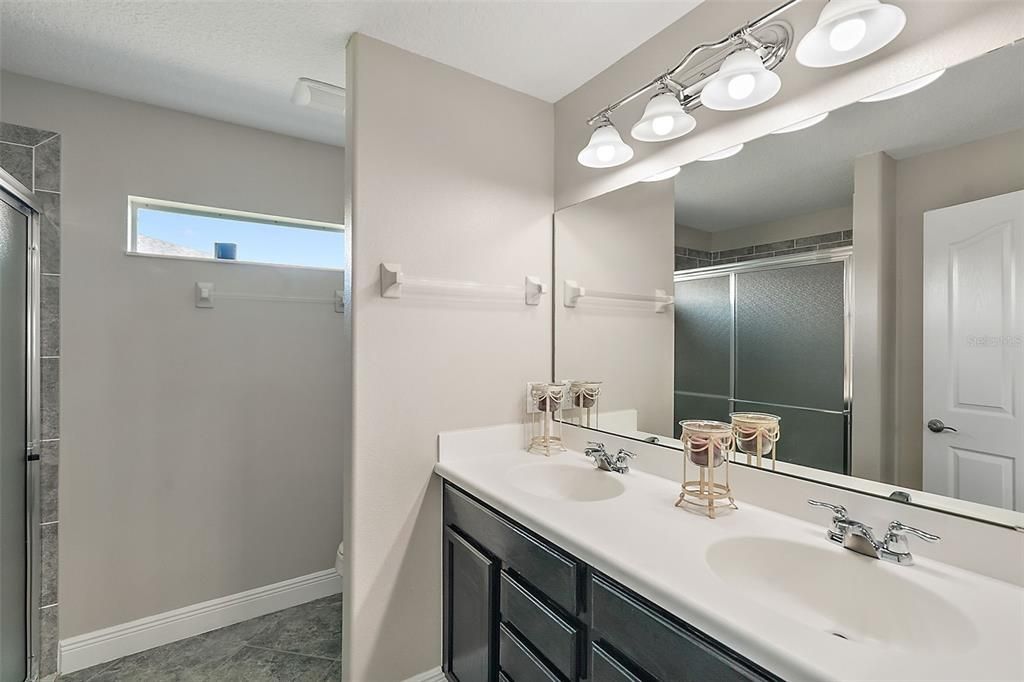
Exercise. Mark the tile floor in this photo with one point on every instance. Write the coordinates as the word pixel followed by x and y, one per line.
pixel 302 643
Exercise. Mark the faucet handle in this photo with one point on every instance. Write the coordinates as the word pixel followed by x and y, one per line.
pixel 839 511
pixel 898 529
pixel 625 454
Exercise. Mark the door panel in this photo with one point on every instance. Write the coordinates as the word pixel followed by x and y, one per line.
pixel 13 439
pixel 974 351
pixel 470 588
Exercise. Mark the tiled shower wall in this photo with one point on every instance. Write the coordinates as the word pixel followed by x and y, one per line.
pixel 688 259
pixel 33 157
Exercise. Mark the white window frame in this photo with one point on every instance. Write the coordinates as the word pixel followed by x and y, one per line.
pixel 135 203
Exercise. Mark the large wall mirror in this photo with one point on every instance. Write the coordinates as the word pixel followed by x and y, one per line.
pixel 859 276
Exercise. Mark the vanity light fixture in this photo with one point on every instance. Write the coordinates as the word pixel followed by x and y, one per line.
pixel 848 30
pixel 905 88
pixel 723 154
pixel 737 72
pixel 664 119
pixel 664 175
pixel 801 125
pixel 741 82
pixel 606 148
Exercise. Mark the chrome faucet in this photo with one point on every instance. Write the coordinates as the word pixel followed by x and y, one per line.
pixel 860 538
pixel 608 462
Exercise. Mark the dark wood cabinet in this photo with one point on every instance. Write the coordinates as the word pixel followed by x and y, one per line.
pixel 519 609
pixel 470 587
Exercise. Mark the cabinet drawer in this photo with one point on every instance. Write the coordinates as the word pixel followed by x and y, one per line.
pixel 541 566
pixel 605 668
pixel 518 662
pixel 663 649
pixel 555 639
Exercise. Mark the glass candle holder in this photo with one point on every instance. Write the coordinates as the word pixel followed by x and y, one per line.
pixel 584 398
pixel 544 401
pixel 756 435
pixel 707 445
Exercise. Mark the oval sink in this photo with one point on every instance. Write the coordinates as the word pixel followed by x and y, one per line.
pixel 842 593
pixel 565 482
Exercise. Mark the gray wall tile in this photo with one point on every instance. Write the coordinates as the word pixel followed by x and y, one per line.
pixel 732 253
pixel 49 314
pixel 22 135
pixel 48 542
pixel 819 239
pixel 49 461
pixel 48 165
pixel 17 161
pixel 50 397
pixel 49 232
pixel 774 246
pixel 49 636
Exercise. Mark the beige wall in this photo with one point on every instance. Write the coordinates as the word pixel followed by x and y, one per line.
pixel 806 225
pixel 622 241
pixel 874 341
pixel 948 177
pixel 462 190
pixel 938 34
pixel 200 450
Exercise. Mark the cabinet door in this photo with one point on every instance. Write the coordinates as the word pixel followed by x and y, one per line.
pixel 470 609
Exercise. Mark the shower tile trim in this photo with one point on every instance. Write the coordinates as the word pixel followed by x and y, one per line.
pixel 43 177
pixel 689 259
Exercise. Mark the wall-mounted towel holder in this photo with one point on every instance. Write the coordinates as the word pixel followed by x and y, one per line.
pixel 393 281
pixel 206 293
pixel 574 292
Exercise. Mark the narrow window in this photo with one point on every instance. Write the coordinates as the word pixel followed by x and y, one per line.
pixel 162 228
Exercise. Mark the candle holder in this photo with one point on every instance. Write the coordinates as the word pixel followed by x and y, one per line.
pixel 757 435
pixel 584 395
pixel 543 414
pixel 707 445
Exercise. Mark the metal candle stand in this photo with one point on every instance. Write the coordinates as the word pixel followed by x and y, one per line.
pixel 543 401
pixel 708 445
pixel 757 435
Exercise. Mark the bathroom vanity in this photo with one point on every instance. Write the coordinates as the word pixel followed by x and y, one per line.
pixel 556 570
pixel 518 607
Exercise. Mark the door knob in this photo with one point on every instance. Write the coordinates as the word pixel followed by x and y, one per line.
pixel 937 426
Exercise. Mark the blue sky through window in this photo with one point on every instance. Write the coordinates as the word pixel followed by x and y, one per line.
pixel 259 242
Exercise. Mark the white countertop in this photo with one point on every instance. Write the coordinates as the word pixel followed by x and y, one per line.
pixel 642 540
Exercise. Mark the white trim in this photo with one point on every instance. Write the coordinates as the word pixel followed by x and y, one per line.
pixel 93 648
pixel 432 675
pixel 206 259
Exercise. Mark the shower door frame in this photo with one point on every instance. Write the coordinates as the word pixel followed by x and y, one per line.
pixel 24 201
pixel 843 254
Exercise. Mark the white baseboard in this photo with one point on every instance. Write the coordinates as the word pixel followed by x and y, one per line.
pixel 93 648
pixel 433 675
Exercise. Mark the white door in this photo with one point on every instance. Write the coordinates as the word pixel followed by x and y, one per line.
pixel 974 351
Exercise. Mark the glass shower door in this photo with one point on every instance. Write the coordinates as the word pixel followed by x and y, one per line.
pixel 14 345
pixel 790 358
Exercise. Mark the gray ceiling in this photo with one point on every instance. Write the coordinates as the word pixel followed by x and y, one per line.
pixel 779 176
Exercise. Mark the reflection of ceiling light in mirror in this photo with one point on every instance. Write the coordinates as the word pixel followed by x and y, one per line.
pixel 724 154
pixel 319 95
pixel 663 119
pixel 605 149
pixel 848 30
pixel 664 175
pixel 801 125
pixel 741 82
pixel 905 88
